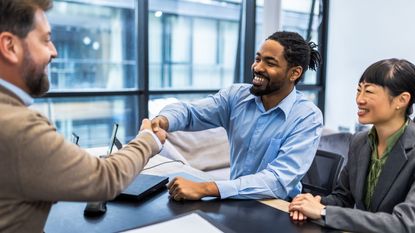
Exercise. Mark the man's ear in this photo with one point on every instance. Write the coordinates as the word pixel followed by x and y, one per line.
pixel 295 73
pixel 9 47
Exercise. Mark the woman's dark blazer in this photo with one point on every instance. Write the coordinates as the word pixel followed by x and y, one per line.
pixel 393 203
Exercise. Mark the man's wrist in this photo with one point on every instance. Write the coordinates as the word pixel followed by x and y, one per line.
pixel 164 122
pixel 156 139
pixel 211 189
pixel 323 213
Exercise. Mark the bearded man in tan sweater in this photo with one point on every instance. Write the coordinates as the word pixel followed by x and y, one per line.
pixel 37 166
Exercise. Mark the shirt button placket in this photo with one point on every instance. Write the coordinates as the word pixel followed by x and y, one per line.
pixel 251 157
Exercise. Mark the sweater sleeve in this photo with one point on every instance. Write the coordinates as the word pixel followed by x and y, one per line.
pixel 49 168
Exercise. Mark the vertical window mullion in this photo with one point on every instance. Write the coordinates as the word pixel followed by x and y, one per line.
pixel 142 56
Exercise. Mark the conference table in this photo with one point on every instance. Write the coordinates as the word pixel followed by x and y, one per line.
pixel 234 215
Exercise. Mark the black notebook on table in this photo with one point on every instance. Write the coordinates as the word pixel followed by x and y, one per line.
pixel 144 186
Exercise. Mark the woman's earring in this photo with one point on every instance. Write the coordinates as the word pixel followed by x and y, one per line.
pixel 397 107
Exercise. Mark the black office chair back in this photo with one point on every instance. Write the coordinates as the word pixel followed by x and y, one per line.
pixel 337 143
pixel 322 176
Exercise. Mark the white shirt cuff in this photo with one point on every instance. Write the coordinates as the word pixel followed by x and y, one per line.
pixel 160 146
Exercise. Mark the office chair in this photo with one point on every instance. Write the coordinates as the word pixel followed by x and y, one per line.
pixel 337 143
pixel 322 176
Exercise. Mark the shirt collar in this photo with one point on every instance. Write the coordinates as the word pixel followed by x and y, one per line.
pixel 26 98
pixel 390 141
pixel 285 105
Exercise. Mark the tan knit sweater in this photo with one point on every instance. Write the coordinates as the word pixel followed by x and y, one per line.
pixel 38 167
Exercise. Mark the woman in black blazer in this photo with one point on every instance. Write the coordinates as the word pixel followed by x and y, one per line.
pixel 376 189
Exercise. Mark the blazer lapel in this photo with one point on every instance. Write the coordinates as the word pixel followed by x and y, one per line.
pixel 393 166
pixel 362 166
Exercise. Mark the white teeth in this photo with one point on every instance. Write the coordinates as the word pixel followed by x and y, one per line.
pixel 259 79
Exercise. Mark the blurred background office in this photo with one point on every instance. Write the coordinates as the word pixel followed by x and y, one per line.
pixel 122 60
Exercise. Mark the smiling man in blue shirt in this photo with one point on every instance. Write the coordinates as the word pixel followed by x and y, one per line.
pixel 272 128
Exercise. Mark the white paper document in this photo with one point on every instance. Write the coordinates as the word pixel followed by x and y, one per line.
pixel 186 224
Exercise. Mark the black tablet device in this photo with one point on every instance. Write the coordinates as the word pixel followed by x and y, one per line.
pixel 143 186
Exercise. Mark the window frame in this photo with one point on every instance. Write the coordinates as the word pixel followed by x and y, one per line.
pixel 244 60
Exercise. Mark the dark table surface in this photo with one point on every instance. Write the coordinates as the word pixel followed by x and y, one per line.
pixel 237 215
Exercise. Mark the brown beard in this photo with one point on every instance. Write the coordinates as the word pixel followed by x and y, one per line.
pixel 34 75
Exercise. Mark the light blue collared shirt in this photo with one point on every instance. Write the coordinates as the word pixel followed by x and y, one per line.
pixel 26 98
pixel 270 151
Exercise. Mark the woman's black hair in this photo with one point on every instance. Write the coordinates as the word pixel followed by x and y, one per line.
pixel 397 75
pixel 297 51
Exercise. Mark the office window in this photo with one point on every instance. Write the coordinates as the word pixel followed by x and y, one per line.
pixel 91 117
pixel 96 48
pixel 95 72
pixel 192 43
pixel 192 47
pixel 305 18
pixel 101 77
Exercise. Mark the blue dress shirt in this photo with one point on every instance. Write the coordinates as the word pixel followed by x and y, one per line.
pixel 270 151
pixel 26 98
